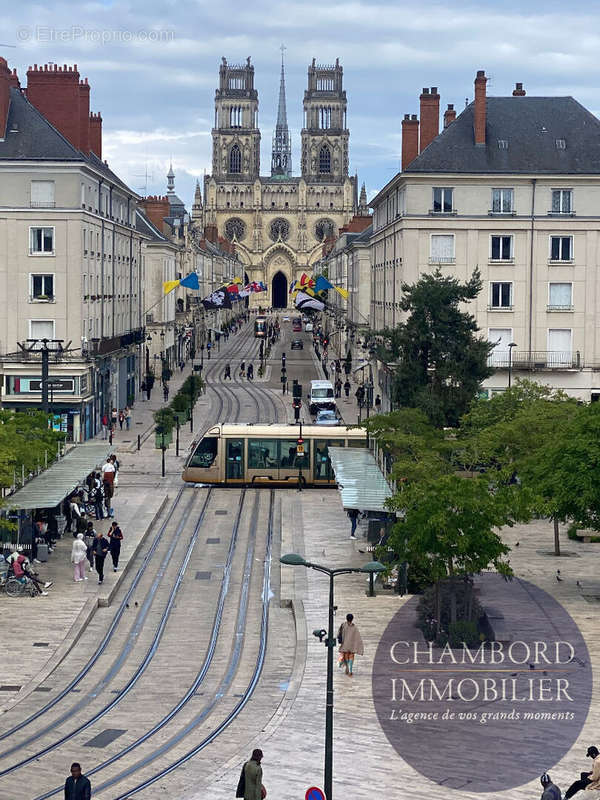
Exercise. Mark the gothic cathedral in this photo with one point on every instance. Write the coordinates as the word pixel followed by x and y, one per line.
pixel 278 223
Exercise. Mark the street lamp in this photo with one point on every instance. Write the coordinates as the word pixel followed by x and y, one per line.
pixel 510 349
pixel 372 568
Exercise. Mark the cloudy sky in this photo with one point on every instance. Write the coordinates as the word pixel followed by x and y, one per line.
pixel 153 67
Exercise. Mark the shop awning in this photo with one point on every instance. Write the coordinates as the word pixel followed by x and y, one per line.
pixel 360 481
pixel 54 484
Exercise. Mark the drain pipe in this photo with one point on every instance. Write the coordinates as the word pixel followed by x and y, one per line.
pixel 531 250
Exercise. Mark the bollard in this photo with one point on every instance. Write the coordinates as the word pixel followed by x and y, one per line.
pixel 139 441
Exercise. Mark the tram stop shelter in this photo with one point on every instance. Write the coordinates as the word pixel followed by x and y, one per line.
pixel 360 481
pixel 51 487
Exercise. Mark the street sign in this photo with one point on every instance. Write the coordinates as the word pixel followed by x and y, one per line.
pixel 314 794
pixel 300 450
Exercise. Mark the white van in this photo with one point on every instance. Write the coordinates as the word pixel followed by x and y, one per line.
pixel 321 396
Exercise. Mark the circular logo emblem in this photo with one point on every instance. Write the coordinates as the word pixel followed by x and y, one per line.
pixel 495 715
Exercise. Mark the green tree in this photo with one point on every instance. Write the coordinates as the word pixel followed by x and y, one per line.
pixel 441 361
pixel 26 443
pixel 451 524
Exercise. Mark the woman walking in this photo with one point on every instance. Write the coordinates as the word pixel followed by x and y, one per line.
pixel 121 419
pixel 88 540
pixel 78 558
pixel 351 643
pixel 115 537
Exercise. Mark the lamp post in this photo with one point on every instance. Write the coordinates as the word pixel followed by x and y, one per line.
pixel 510 349
pixel 373 567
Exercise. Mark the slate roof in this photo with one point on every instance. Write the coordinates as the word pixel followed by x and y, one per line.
pixel 531 126
pixel 35 139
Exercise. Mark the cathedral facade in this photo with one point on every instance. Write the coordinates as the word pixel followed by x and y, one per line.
pixel 279 222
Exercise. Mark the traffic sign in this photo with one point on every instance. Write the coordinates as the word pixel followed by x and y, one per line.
pixel 314 794
pixel 300 450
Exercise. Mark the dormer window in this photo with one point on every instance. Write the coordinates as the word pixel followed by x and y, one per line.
pixel 561 144
pixel 502 144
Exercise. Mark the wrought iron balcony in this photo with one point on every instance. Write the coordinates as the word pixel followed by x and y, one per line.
pixel 536 359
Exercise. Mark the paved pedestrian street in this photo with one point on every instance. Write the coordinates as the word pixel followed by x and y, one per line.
pixel 191 592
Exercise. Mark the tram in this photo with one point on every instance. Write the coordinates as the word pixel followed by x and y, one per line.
pixel 241 454
pixel 261 326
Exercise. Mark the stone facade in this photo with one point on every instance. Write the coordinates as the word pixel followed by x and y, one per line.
pixel 278 223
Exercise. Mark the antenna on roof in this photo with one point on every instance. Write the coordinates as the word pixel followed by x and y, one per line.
pixel 145 175
pixel 466 101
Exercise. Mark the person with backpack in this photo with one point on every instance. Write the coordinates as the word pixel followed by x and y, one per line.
pixel 350 642
pixel 250 784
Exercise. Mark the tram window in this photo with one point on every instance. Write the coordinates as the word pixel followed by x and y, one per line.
pixel 357 442
pixel 262 454
pixel 205 453
pixel 322 464
pixel 289 456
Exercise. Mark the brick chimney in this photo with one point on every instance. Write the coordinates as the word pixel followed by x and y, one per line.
pixel 14 80
pixel 480 109
pixel 96 134
pixel 410 139
pixel 156 209
pixel 4 95
pixel 55 92
pixel 430 116
pixel 449 115
pixel 519 91
pixel 84 116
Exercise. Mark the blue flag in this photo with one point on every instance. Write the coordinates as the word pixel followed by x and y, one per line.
pixel 190 281
pixel 322 284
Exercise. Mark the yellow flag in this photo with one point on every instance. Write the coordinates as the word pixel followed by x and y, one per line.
pixel 237 280
pixel 343 292
pixel 168 286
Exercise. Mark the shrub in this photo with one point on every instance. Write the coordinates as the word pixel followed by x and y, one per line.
pixel 463 631
pixel 468 608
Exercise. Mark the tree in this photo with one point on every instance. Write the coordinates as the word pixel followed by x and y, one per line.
pixel 441 361
pixel 451 524
pixel 26 443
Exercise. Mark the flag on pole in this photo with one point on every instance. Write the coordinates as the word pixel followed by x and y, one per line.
pixel 306 280
pixel 190 281
pixel 304 300
pixel 168 286
pixel 293 285
pixel 343 292
pixel 218 299
pixel 322 284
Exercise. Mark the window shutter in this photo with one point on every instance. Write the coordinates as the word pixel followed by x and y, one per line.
pixel 42 193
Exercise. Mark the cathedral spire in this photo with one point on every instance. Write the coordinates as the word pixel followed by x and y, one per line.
pixel 281 161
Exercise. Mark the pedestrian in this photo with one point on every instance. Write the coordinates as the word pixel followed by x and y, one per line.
pixel 104 422
pixel 115 536
pixel 100 548
pixel 252 778
pixel 127 413
pixel 208 348
pixel 166 391
pixel 22 569
pixel 78 558
pixel 77 786
pixel 360 395
pixel 243 369
pixel 350 642
pixel 143 389
pixel 378 404
pixel 353 514
pixel 121 419
pixel 182 365
pixel 89 537
pixel 338 387
pixel 586 778
pixel 347 387
pixel 113 420
pixel 250 372
pixel 97 496
pixel 551 790
pixel 227 375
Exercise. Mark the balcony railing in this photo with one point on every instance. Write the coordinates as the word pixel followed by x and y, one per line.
pixel 537 359
pixel 442 260
pixel 556 307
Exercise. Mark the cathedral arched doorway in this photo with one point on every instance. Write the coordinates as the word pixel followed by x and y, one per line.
pixel 279 291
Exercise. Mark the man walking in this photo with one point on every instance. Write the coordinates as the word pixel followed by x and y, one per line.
pixel 586 778
pixel 347 387
pixel 100 548
pixel 353 514
pixel 227 375
pixel 115 536
pixel 351 643
pixel 253 788
pixel 77 786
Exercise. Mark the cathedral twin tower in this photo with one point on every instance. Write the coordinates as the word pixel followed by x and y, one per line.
pixel 278 222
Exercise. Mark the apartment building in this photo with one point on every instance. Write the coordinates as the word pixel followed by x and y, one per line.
pixel 70 254
pixel 511 186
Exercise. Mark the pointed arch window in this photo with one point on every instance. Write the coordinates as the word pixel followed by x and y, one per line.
pixel 235 159
pixel 324 159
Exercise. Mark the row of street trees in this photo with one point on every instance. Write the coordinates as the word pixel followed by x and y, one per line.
pixel 465 467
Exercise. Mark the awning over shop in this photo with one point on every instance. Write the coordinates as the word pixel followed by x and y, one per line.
pixel 54 484
pixel 360 481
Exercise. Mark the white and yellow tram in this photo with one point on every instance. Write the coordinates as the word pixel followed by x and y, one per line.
pixel 238 454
